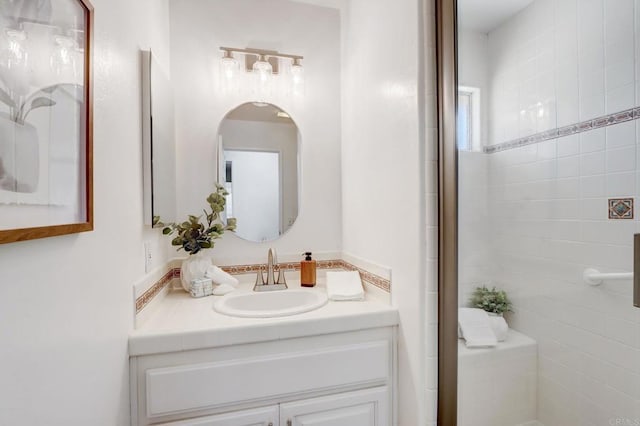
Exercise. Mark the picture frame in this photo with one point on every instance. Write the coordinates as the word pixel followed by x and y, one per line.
pixel 46 119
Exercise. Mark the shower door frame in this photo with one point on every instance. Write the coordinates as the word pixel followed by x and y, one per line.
pixel 447 88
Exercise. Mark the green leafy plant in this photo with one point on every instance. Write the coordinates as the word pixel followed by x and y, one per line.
pixel 195 234
pixel 493 301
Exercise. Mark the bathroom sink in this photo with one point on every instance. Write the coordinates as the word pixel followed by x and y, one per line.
pixel 270 304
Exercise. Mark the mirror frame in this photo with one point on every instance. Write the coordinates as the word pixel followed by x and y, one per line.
pixel 299 164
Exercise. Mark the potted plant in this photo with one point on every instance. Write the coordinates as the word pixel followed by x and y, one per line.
pixel 495 302
pixel 197 234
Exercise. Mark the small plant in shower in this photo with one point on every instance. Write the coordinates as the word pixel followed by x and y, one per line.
pixel 492 300
pixel 195 234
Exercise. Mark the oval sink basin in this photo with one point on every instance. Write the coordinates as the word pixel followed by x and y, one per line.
pixel 270 304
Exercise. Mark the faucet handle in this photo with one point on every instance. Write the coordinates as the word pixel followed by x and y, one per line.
pixel 259 277
pixel 282 278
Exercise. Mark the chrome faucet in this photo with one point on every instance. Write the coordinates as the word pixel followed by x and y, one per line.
pixel 271 283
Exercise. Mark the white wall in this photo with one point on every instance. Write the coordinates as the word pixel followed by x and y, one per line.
pixel 383 161
pixel 198 28
pixel 66 302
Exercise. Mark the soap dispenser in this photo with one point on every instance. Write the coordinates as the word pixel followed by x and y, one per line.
pixel 308 271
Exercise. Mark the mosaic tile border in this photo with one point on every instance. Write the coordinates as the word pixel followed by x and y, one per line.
pixel 156 288
pixel 572 129
pixel 369 277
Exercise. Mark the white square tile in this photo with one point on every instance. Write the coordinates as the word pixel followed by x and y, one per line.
pixel 620 74
pixel 569 167
pixel 592 163
pixel 621 160
pixel 568 145
pixel 620 99
pixel 592 106
pixel 620 135
pixel 594 209
pixel 593 186
pixel 621 184
pixel 593 140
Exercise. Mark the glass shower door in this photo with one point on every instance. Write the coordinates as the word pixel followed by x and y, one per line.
pixel 548 116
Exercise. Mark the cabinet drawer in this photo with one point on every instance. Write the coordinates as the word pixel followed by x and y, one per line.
pixel 257 417
pixel 172 390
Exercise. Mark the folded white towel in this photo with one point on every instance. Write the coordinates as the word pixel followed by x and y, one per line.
pixel 475 328
pixel 344 285
pixel 218 276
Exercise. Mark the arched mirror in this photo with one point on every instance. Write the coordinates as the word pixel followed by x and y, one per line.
pixel 258 163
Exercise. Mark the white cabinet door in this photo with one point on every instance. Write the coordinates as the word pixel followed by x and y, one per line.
pixel 267 416
pixel 369 407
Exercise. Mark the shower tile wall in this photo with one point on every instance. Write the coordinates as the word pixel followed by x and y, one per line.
pixel 549 210
pixel 533 218
pixel 559 62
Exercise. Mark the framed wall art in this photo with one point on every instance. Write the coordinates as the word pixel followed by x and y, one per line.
pixel 46 123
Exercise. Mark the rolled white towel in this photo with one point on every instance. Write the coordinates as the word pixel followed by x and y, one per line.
pixel 344 285
pixel 218 276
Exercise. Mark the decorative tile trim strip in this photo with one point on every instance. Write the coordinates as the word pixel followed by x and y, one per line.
pixel 367 276
pixel 585 126
pixel 155 289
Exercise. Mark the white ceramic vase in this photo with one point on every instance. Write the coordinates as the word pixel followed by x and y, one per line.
pixel 499 326
pixel 194 267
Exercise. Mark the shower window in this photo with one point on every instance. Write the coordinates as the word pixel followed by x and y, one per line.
pixel 468 122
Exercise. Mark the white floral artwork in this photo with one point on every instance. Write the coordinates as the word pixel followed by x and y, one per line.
pixel 42 113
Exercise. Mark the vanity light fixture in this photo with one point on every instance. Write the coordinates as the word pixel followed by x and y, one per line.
pixel 282 114
pixel 265 65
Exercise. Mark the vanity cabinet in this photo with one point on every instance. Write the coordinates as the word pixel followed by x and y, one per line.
pixel 326 380
pixel 366 407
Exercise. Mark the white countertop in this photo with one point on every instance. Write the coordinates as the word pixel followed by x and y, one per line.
pixel 180 322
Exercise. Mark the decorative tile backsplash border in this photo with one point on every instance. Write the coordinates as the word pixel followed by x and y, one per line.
pixel 174 273
pixel 584 126
pixel 156 288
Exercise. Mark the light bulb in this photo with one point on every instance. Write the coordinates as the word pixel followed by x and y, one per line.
pixel 297 72
pixel 63 59
pixel 297 77
pixel 229 66
pixel 14 54
pixel 263 69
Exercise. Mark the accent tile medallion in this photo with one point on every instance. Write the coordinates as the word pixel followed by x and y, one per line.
pixel 620 208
